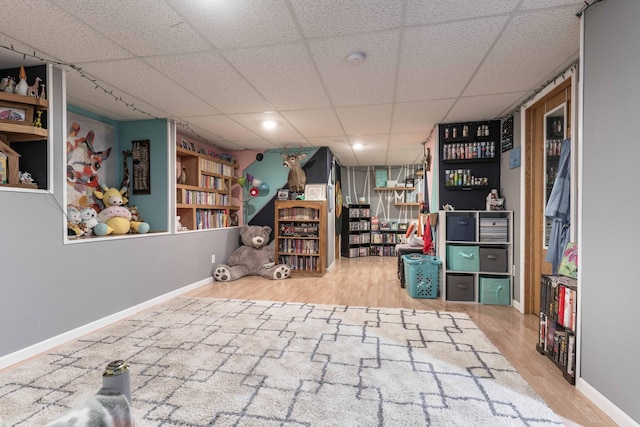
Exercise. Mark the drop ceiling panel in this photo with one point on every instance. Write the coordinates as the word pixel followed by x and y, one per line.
pixel 419 116
pixel 522 56
pixel 420 12
pixel 223 126
pixel 369 157
pixel 211 78
pixel 365 120
pixel 371 142
pixel 409 140
pixel 321 18
pixel 69 40
pixel 335 143
pixel 437 61
pixel 284 74
pixel 232 24
pixel 253 122
pixel 314 123
pixel 486 107
pixel 405 157
pixel 371 82
pixel 162 31
pixel 541 4
pixel 346 158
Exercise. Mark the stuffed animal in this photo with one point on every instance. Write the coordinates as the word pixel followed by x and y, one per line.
pixel 115 218
pixel 253 258
pixel 74 218
pixel 89 219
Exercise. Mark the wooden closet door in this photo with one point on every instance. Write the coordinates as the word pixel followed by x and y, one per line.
pixel 534 249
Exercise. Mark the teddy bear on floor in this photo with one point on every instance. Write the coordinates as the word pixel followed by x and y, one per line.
pixel 253 258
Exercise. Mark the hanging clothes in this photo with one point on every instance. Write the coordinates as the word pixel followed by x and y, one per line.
pixel 559 208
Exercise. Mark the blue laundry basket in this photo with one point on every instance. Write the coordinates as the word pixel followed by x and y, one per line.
pixel 422 273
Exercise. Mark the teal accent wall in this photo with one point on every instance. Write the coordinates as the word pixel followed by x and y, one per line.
pixel 152 207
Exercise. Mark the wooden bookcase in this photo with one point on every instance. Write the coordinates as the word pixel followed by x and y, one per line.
pixel 204 201
pixel 301 236
pixel 557 337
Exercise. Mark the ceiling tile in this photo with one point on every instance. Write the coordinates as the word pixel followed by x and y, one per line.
pixel 541 4
pixel 351 84
pixel 314 123
pixel 522 56
pixel 135 76
pixel 321 18
pixel 213 80
pixel 253 122
pixel 405 141
pixel 223 127
pixel 370 157
pixel 232 24
pixel 371 142
pixel 452 50
pixel 419 116
pixel 285 74
pixel 69 40
pixel 486 107
pixel 420 12
pixel 405 157
pixel 365 120
pixel 162 31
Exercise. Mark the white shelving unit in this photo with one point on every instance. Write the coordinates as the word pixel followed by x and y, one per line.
pixel 473 235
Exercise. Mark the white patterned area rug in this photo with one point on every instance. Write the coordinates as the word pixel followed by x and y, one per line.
pixel 214 362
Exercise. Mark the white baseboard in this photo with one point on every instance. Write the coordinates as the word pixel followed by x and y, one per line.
pixel 615 413
pixel 48 344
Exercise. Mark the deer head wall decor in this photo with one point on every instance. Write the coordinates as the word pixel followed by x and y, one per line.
pixel 297 178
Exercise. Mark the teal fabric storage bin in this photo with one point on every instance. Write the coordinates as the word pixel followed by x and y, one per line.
pixel 495 290
pixel 463 258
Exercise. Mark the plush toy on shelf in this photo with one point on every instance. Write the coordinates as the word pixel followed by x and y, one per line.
pixel 253 258
pixel 74 218
pixel 115 218
pixel 89 219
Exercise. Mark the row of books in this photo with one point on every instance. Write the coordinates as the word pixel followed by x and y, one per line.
pixel 388 238
pixel 382 251
pixel 299 246
pixel 558 343
pixel 300 262
pixel 359 239
pixel 193 197
pixel 215 167
pixel 558 298
pixel 299 230
pixel 358 252
pixel 303 214
pixel 359 213
pixel 213 183
pixel 362 225
pixel 377 225
pixel 206 219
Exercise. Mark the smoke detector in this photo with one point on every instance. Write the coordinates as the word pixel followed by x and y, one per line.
pixel 356 58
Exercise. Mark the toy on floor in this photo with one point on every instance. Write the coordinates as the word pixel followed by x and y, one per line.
pixel 253 258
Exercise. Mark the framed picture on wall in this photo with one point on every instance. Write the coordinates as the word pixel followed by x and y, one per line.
pixel 315 192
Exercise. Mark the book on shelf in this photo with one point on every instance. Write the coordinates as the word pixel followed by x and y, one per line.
pixel 375 223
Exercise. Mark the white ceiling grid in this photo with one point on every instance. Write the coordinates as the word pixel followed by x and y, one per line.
pixel 223 66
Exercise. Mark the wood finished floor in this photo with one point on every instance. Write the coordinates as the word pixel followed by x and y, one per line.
pixel 373 282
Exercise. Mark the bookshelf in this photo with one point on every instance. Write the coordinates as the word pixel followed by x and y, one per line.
pixel 356 231
pixel 300 236
pixel 557 331
pixel 204 201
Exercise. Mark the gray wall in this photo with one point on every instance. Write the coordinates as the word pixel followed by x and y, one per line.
pixel 609 285
pixel 46 291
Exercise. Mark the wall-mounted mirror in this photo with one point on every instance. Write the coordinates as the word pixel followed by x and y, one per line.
pixel 554 133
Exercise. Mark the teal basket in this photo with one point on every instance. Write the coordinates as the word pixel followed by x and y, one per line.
pixel 421 273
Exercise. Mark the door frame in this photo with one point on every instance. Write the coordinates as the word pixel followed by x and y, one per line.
pixel 532 141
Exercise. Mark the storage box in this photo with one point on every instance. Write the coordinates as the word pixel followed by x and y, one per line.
pixel 495 290
pixel 494 230
pixel 463 258
pixel 460 287
pixel 493 259
pixel 421 275
pixel 461 228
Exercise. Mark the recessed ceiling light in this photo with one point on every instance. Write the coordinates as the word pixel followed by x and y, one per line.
pixel 357 146
pixel 269 124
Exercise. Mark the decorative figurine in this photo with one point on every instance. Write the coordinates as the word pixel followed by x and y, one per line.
pixel 42 92
pixel 38 121
pixel 33 89
pixel 22 87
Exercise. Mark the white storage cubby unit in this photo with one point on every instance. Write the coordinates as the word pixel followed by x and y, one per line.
pixel 476 248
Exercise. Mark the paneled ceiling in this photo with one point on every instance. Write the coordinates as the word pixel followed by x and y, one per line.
pixel 221 67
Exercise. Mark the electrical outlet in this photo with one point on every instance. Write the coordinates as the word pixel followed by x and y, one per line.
pixel 213 259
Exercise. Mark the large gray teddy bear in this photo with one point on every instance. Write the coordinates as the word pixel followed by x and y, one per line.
pixel 253 258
